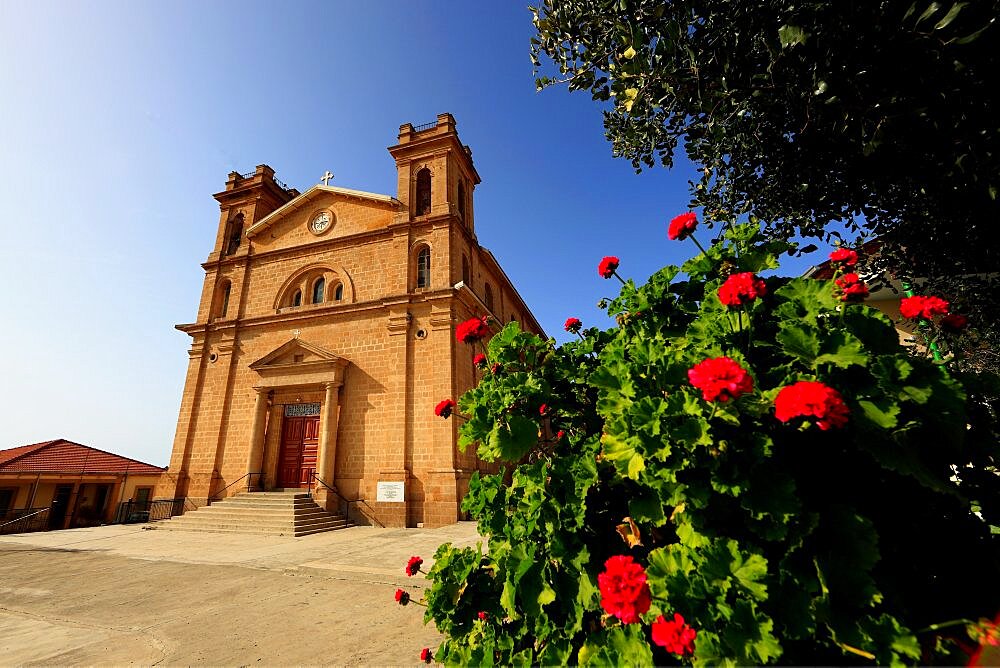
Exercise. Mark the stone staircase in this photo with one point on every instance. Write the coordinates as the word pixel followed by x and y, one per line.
pixel 279 513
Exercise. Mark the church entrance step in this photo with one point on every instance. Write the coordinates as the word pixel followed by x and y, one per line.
pixel 283 513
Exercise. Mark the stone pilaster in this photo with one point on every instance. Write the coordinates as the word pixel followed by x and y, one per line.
pixel 255 460
pixel 327 464
pixel 393 466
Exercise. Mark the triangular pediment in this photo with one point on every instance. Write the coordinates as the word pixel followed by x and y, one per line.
pixel 296 352
pixel 318 197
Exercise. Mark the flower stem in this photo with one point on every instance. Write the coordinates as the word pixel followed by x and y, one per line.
pixel 944 625
pixel 615 274
pixel 697 244
pixel 749 329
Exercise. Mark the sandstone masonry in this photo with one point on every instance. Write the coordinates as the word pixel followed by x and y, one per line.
pixel 325 337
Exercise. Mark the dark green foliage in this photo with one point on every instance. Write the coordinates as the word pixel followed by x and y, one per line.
pixel 777 542
pixel 880 116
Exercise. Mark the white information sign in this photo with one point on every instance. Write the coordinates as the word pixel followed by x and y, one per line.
pixel 389 492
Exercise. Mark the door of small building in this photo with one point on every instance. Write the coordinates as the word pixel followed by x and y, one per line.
pixel 299 449
pixel 60 504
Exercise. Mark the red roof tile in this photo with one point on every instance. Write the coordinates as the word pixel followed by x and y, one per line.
pixel 66 456
pixel 7 455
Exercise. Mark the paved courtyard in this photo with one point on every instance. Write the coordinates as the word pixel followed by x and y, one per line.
pixel 128 595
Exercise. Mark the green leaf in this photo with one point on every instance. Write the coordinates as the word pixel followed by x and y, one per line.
pixel 645 414
pixel 623 452
pixel 804 299
pixel 882 414
pixel 547 595
pixel 843 350
pixel 791 35
pixel 646 506
pixel 799 343
pixel 766 647
pixel 751 574
pixel 508 600
pixel 619 646
pixel 950 16
pixel 514 439
pixel 689 537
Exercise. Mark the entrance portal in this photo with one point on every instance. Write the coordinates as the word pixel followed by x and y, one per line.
pixel 299 446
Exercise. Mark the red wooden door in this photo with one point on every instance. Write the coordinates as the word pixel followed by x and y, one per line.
pixel 299 449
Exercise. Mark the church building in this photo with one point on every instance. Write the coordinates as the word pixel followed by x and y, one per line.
pixel 325 337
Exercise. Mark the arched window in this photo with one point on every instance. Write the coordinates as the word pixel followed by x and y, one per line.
pixel 318 289
pixel 465 270
pixel 423 192
pixel 488 296
pixel 221 303
pixel 235 235
pixel 461 200
pixel 297 298
pixel 338 292
pixel 424 268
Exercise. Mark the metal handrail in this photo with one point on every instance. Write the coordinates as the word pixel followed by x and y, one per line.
pixel 249 485
pixel 340 496
pixel 24 517
pixel 425 126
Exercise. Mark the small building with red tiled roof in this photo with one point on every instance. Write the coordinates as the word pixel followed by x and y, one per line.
pixel 77 484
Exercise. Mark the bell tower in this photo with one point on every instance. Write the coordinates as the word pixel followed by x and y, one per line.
pixel 436 174
pixel 246 199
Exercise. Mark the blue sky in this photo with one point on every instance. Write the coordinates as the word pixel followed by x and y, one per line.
pixel 118 120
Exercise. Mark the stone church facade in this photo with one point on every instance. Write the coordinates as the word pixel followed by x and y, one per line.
pixel 325 337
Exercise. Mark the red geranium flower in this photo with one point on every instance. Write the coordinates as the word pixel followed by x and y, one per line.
pixel 808 398
pixel 741 288
pixel 413 566
pixel 573 325
pixel 852 288
pixel 402 597
pixel 674 635
pixel 560 434
pixel 479 360
pixel 444 409
pixel 608 266
pixel 425 655
pixel 922 307
pixel 682 226
pixel 720 379
pixel 473 330
pixel 845 255
pixel 954 322
pixel 624 592
pixel 544 409
pixel 483 616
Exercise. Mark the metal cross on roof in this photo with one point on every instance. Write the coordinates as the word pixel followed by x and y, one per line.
pixel 326 178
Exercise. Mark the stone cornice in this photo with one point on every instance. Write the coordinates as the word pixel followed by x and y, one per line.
pixel 323 311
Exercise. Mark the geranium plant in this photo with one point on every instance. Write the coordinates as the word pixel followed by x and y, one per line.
pixel 747 470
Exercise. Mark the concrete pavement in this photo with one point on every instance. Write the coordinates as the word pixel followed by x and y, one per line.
pixel 124 594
